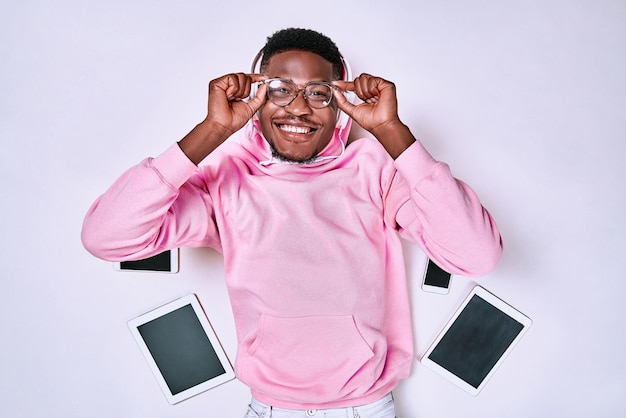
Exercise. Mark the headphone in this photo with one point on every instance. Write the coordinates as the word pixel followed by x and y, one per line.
pixel 343 120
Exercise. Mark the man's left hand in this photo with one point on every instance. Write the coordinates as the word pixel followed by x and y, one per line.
pixel 378 113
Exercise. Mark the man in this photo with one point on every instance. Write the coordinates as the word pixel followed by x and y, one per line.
pixel 307 225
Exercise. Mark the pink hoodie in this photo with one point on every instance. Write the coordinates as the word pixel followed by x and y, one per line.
pixel 313 261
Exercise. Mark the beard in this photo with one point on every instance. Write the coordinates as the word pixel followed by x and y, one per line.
pixel 291 160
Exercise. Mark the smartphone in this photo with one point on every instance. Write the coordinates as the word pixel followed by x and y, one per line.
pixel 436 279
pixel 165 262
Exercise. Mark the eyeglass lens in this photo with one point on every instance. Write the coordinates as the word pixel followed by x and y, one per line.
pixel 282 92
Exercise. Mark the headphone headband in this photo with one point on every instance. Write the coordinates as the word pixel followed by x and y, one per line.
pixel 345 65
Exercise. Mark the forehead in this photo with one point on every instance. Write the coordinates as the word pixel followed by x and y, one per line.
pixel 300 66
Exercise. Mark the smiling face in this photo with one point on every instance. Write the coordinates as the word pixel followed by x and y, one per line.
pixel 298 132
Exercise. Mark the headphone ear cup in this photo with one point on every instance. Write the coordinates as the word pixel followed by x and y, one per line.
pixel 343 119
pixel 256 69
pixel 253 90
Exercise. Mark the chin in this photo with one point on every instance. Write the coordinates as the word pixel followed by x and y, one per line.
pixel 288 157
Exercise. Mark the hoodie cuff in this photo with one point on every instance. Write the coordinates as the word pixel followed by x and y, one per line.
pixel 174 166
pixel 415 163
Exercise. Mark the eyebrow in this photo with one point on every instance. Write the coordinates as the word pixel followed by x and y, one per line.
pixel 321 80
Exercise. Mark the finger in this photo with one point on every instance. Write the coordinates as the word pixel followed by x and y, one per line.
pixel 359 89
pixel 367 88
pixel 229 84
pixel 255 78
pixel 243 83
pixel 249 81
pixel 344 85
pixel 343 103
pixel 259 99
pixel 218 92
pixel 239 84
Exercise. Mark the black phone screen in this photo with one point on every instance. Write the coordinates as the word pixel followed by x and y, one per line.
pixel 436 276
pixel 159 262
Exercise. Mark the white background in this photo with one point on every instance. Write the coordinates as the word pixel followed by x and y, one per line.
pixel 526 100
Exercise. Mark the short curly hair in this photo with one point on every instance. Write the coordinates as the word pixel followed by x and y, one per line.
pixel 303 40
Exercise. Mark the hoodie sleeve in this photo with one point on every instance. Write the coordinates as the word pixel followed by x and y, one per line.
pixel 442 214
pixel 159 204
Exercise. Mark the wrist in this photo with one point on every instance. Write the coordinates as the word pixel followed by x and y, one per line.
pixel 395 137
pixel 202 140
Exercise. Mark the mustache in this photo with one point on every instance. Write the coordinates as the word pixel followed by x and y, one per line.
pixel 292 118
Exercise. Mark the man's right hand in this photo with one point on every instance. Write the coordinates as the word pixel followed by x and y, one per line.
pixel 227 113
pixel 227 110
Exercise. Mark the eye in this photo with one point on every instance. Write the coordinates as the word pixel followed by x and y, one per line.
pixel 280 89
pixel 319 92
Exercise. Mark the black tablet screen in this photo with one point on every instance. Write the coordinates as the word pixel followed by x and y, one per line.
pixel 181 349
pixel 476 340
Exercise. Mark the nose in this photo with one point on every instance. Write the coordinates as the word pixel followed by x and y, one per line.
pixel 298 105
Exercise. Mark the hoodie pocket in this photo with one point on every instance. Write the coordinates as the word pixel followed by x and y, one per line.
pixel 308 359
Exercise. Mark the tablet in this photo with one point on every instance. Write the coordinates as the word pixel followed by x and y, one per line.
pixel 481 333
pixel 181 349
pixel 165 262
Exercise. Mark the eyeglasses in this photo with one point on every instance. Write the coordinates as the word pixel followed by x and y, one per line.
pixel 282 91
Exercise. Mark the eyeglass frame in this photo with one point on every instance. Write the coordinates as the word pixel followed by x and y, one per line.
pixel 298 90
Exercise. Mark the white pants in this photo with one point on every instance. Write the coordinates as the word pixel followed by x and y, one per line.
pixel 383 408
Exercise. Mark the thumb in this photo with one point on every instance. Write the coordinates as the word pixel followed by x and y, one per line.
pixel 342 102
pixel 259 98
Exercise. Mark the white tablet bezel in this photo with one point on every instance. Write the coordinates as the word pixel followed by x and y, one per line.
pixel 192 300
pixel 174 264
pixel 500 305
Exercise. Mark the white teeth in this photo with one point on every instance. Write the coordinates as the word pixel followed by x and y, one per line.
pixel 295 129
